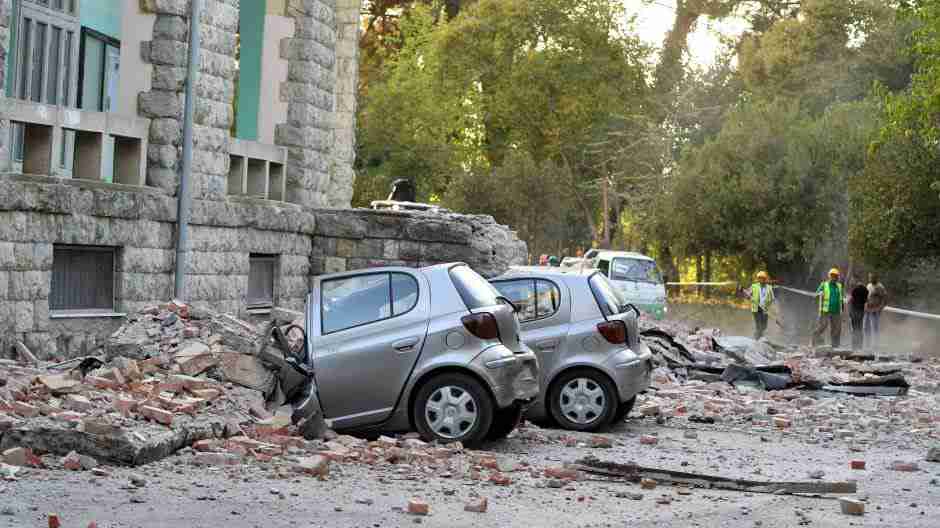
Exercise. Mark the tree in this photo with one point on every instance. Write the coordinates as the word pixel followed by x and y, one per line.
pixel 895 201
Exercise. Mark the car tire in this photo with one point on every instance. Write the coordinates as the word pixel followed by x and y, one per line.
pixel 598 407
pixel 504 422
pixel 623 410
pixel 444 406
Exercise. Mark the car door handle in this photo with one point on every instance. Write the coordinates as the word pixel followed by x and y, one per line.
pixel 545 346
pixel 406 345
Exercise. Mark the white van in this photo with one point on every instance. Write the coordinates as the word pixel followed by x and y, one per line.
pixel 636 277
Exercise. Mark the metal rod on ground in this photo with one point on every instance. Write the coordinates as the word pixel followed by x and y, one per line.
pixel 185 189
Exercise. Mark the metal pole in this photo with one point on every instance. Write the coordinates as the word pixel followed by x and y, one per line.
pixel 185 190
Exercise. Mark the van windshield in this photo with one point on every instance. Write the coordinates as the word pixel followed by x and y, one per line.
pixel 637 270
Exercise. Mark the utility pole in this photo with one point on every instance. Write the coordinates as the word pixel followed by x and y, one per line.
pixel 184 211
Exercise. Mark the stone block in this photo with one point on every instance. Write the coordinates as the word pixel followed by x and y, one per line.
pixel 160 103
pixel 171 28
pixel 169 52
pixel 169 78
pixel 23 319
pixel 247 371
pixel 8 255
pixel 165 7
pixel 29 285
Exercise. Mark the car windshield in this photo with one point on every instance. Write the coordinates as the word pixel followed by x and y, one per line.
pixel 608 299
pixel 475 291
pixel 639 270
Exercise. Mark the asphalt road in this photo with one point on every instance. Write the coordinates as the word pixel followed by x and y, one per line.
pixel 180 495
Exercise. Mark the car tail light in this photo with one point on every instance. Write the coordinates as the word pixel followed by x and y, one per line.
pixel 613 331
pixel 482 325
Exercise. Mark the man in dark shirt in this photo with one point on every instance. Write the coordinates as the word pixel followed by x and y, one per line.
pixel 857 300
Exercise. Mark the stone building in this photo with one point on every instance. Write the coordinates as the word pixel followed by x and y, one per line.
pixel 91 111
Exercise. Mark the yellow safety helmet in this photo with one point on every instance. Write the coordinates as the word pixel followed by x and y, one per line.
pixel 763 275
pixel 834 272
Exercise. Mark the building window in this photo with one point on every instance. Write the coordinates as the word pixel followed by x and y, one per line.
pixel 82 278
pixel 99 71
pixel 44 62
pixel 261 272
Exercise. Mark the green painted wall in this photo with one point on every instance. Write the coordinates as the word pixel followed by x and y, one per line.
pixel 104 16
pixel 251 39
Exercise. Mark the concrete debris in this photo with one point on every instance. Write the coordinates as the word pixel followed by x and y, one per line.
pixel 168 378
pixel 933 454
pixel 477 505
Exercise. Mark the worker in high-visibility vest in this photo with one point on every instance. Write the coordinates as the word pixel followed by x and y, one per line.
pixel 831 303
pixel 762 298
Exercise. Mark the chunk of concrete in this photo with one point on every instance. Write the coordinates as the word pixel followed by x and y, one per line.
pixel 247 371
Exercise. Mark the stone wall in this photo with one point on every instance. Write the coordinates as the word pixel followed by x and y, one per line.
pixel 168 52
pixel 38 213
pixel 342 174
pixel 309 91
pixel 5 7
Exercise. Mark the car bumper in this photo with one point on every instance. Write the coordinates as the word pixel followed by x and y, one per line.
pixel 631 371
pixel 513 378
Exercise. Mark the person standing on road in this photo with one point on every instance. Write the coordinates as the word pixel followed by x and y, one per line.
pixel 858 298
pixel 877 301
pixel 762 298
pixel 831 298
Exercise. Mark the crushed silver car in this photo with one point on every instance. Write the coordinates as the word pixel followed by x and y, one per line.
pixel 435 350
pixel 587 341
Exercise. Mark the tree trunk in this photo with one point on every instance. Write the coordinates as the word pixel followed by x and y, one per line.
pixel 708 273
pixel 605 215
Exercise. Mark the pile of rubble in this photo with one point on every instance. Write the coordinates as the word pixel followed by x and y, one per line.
pixel 759 387
pixel 172 376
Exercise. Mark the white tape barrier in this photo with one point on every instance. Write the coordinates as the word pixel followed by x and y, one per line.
pixel 890 309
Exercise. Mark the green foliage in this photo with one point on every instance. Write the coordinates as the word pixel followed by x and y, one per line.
pixel 767 187
pixel 895 200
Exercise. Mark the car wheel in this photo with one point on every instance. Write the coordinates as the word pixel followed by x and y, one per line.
pixel 582 400
pixel 504 421
pixel 623 410
pixel 453 408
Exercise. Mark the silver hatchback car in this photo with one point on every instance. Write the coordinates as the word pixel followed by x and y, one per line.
pixel 435 350
pixel 587 341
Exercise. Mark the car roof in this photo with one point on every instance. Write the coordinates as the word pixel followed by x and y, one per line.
pixel 630 254
pixel 544 271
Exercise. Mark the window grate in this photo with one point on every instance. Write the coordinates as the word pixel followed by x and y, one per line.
pixel 82 278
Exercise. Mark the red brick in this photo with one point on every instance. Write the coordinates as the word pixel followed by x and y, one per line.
pixel 857 464
pixel 649 440
pixel 125 406
pixel 118 376
pixel 601 442
pixel 900 465
pixel 157 415
pixel 206 394
pixel 69 416
pixel 72 462
pixel 500 480
pixel 476 505
pixel 54 521
pixel 101 383
pixel 24 409
pixel 488 462
pixel 418 507
pixel 205 445
pixel 562 473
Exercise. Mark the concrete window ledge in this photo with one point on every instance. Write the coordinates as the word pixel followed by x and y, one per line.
pixel 84 314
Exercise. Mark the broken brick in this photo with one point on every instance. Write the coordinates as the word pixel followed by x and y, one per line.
pixel 101 383
pixel 647 484
pixel 500 480
pixel 206 394
pixel 562 473
pixel 852 506
pixel 53 520
pixel 649 440
pixel 25 410
pixel 125 406
pixel 478 505
pixel 781 422
pixel 59 384
pixel 157 415
pixel 857 464
pixel 418 507
pixel 216 459
pixel 601 442
pixel 900 465
pixel 71 462
pixel 317 466
pixel 77 402
pixel 205 445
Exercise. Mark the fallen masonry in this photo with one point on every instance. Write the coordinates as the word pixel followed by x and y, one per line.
pixel 170 377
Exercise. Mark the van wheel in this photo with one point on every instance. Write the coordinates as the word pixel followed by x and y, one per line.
pixel 623 410
pixel 453 408
pixel 504 421
pixel 582 400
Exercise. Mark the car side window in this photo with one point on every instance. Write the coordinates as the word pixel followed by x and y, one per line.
pixel 404 293
pixel 522 294
pixel 547 298
pixel 354 301
pixel 604 266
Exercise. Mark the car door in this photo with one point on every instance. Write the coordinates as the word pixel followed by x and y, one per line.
pixel 368 332
pixel 543 317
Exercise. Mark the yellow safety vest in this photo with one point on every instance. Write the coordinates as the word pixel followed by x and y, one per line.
pixel 755 297
pixel 826 294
